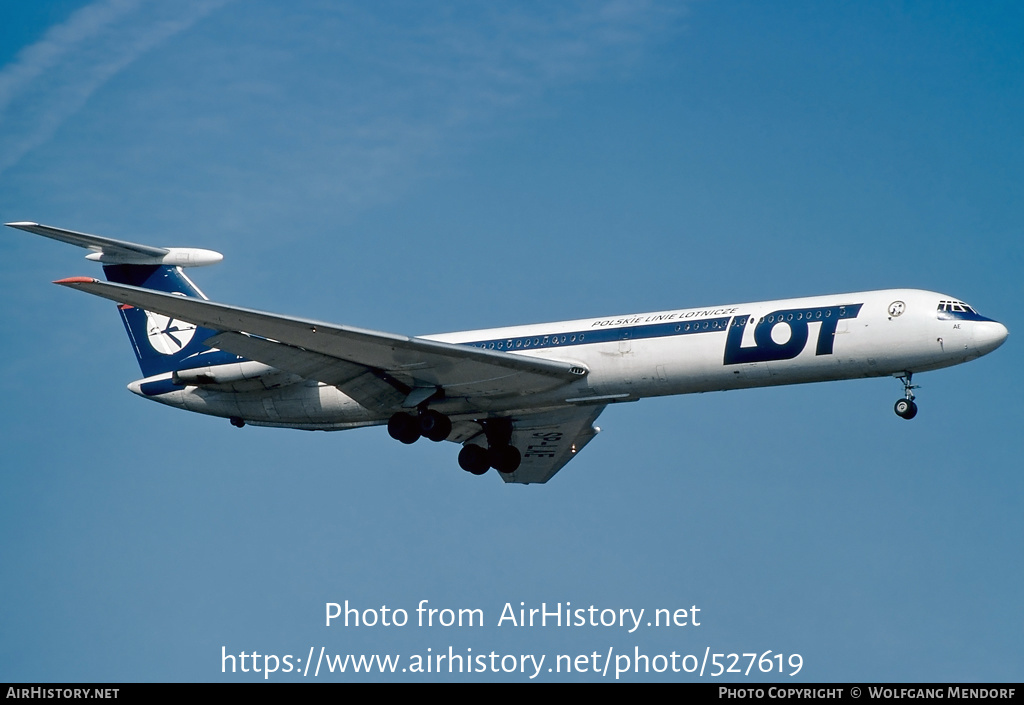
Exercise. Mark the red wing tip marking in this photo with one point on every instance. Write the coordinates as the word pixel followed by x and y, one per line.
pixel 76 280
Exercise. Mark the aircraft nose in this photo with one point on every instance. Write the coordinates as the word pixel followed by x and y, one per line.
pixel 989 335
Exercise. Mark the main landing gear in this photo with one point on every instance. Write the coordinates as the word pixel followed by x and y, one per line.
pixel 477 460
pixel 499 454
pixel 906 408
pixel 428 423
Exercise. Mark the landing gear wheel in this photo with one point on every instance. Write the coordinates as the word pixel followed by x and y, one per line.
pixel 905 409
pixel 505 459
pixel 473 459
pixel 404 428
pixel 434 425
pixel 237 421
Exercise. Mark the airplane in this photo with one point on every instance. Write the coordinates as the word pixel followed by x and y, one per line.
pixel 520 399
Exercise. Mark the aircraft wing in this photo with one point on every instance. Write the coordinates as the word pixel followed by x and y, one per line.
pixel 405 363
pixel 550 439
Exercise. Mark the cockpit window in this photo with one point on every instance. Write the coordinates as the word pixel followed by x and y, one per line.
pixel 950 305
pixel 950 309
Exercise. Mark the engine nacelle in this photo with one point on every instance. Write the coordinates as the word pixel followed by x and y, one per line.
pixel 235 377
pixel 174 257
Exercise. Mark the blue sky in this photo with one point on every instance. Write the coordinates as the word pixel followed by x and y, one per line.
pixel 421 169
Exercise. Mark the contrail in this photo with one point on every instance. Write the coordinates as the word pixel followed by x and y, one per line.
pixel 50 80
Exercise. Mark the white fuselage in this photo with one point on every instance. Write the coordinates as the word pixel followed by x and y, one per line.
pixel 814 339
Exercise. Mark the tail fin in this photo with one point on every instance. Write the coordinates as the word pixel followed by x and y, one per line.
pixel 161 344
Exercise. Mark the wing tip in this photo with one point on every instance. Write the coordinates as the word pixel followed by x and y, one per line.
pixel 76 280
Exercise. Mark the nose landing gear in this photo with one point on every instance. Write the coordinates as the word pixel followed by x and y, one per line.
pixel 906 408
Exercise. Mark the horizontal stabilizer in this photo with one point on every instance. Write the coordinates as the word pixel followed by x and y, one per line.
pixel 110 251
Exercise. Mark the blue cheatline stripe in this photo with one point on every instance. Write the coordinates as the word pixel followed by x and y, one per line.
pixel 604 335
pixel 163 386
pixel 663 330
pixel 961 316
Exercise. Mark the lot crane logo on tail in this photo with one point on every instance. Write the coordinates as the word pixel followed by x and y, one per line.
pixel 166 335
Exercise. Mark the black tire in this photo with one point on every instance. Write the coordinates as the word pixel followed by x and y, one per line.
pixel 505 459
pixel 905 409
pixel 473 459
pixel 434 425
pixel 404 428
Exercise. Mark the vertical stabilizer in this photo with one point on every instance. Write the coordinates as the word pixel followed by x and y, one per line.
pixel 161 344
